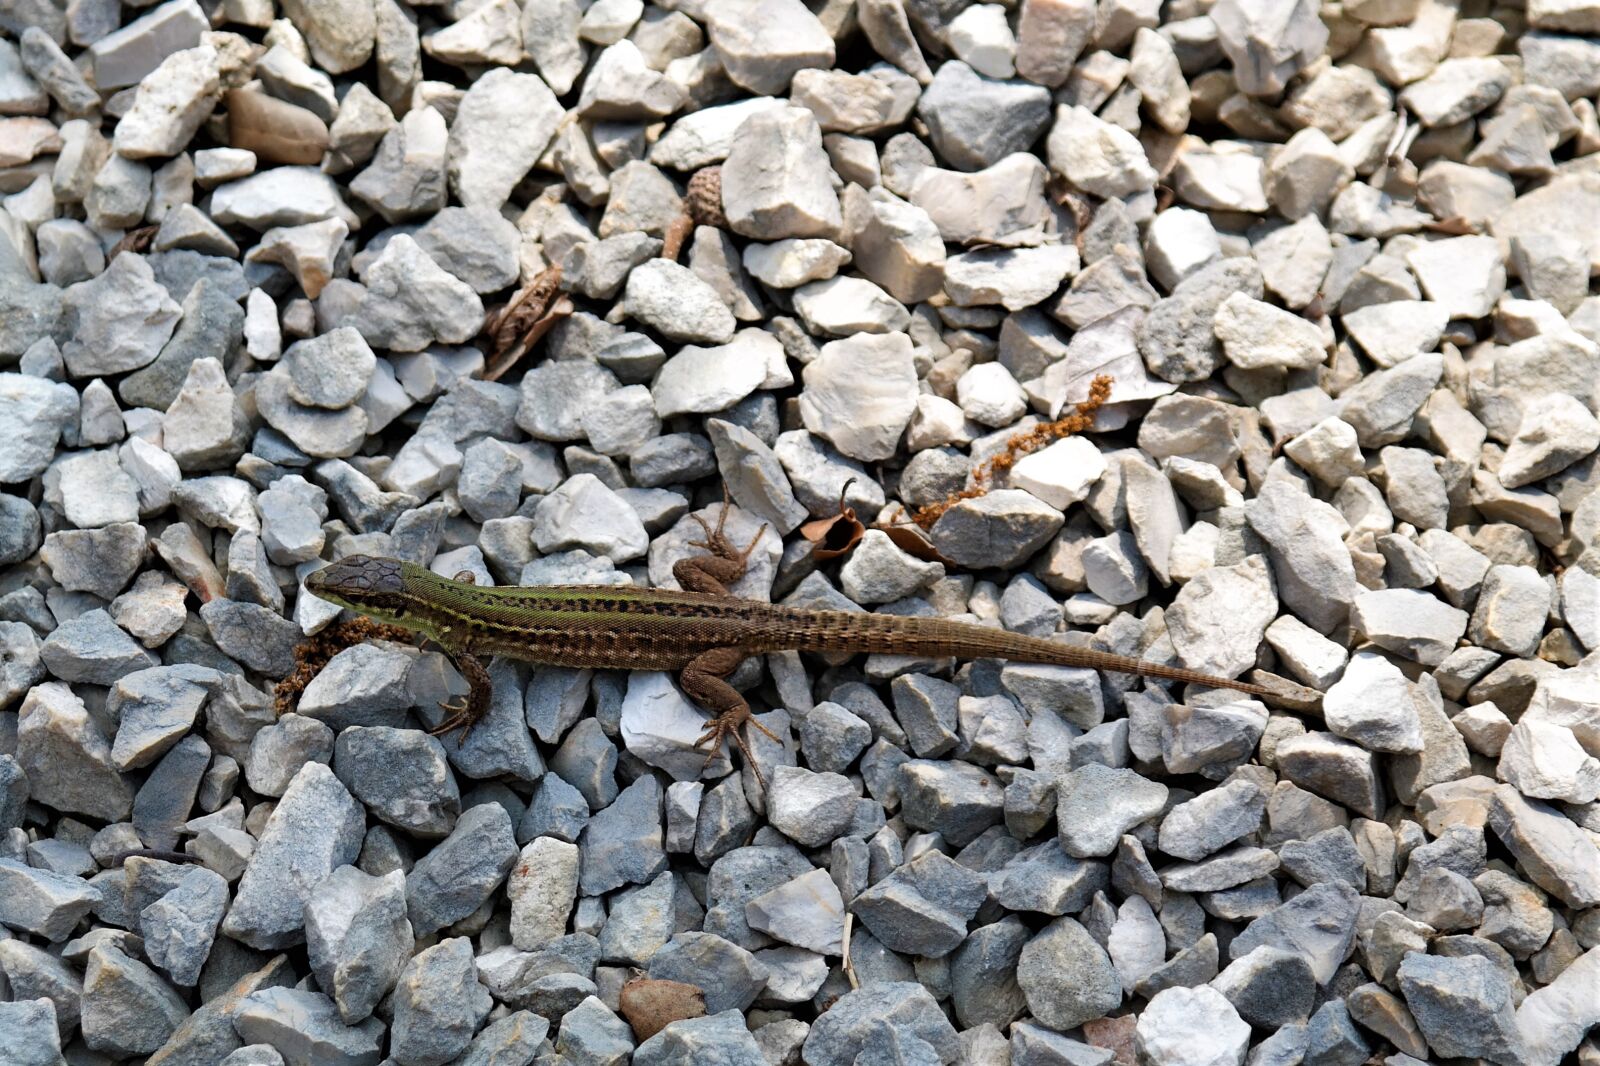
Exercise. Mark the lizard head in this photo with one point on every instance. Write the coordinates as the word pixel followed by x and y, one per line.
pixel 364 583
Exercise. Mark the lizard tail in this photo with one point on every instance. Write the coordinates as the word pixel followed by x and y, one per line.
pixel 941 637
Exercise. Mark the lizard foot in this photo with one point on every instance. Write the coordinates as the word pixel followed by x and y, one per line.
pixel 461 716
pixel 717 542
pixel 466 711
pixel 727 724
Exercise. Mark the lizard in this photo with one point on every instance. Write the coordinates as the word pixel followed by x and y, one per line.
pixel 700 630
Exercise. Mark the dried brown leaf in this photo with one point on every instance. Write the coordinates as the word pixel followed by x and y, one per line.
pixel 530 313
pixel 1455 225
pixel 678 231
pixel 833 536
pixel 134 240
pixel 836 534
pixel 913 541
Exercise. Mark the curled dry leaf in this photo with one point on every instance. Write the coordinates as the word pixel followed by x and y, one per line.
pixel 530 313
pixel 913 541
pixel 650 1005
pixel 1455 226
pixel 837 534
pixel 135 240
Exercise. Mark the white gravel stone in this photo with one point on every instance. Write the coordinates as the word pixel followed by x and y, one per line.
pixel 1580 605
pixel 1137 945
pixel 843 305
pixel 989 395
pixel 1191 1027
pixel 281 196
pixel 1545 761
pixel 543 887
pixel 1328 451
pixel 790 263
pixel 1114 570
pixel 124 56
pixel 1011 277
pixel 1314 658
pixel 776 181
pixel 1372 705
pixel 879 571
pixel 503 125
pixel 1463 275
pixel 674 301
pixel 806 911
pixel 860 393
pixel 1220 615
pixel 1511 610
pixel 1394 331
pixel 171 103
pixel 1096 156
pixel 1554 1019
pixel 707 136
pixel 763 42
pixel 702 380
pixel 1257 336
pixel 1061 473
pixel 982 39
pixel 1409 622
pixel 660 725
pixel 1556 431
pixel 309 252
pixel 584 513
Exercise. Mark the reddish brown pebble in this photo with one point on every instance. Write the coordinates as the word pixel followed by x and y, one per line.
pixel 650 1005
pixel 1115 1035
pixel 275 130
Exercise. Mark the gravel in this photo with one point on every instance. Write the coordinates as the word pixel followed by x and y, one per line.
pixel 254 257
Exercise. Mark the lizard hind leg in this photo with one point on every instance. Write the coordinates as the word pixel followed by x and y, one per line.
pixel 704 679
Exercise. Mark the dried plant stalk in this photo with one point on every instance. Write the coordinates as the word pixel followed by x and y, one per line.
pixel 1081 419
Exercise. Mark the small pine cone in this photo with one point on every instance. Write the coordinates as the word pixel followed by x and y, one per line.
pixel 704 198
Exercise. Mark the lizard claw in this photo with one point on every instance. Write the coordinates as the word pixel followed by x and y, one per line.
pixel 748 548
pixel 460 717
pixel 727 725
pixel 717 542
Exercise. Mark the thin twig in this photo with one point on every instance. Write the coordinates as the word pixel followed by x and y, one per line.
pixel 677 233
pixel 849 969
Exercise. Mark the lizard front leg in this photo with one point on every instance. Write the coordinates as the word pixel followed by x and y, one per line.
pixel 466 711
pixel 726 564
pixel 704 680
pixel 469 710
